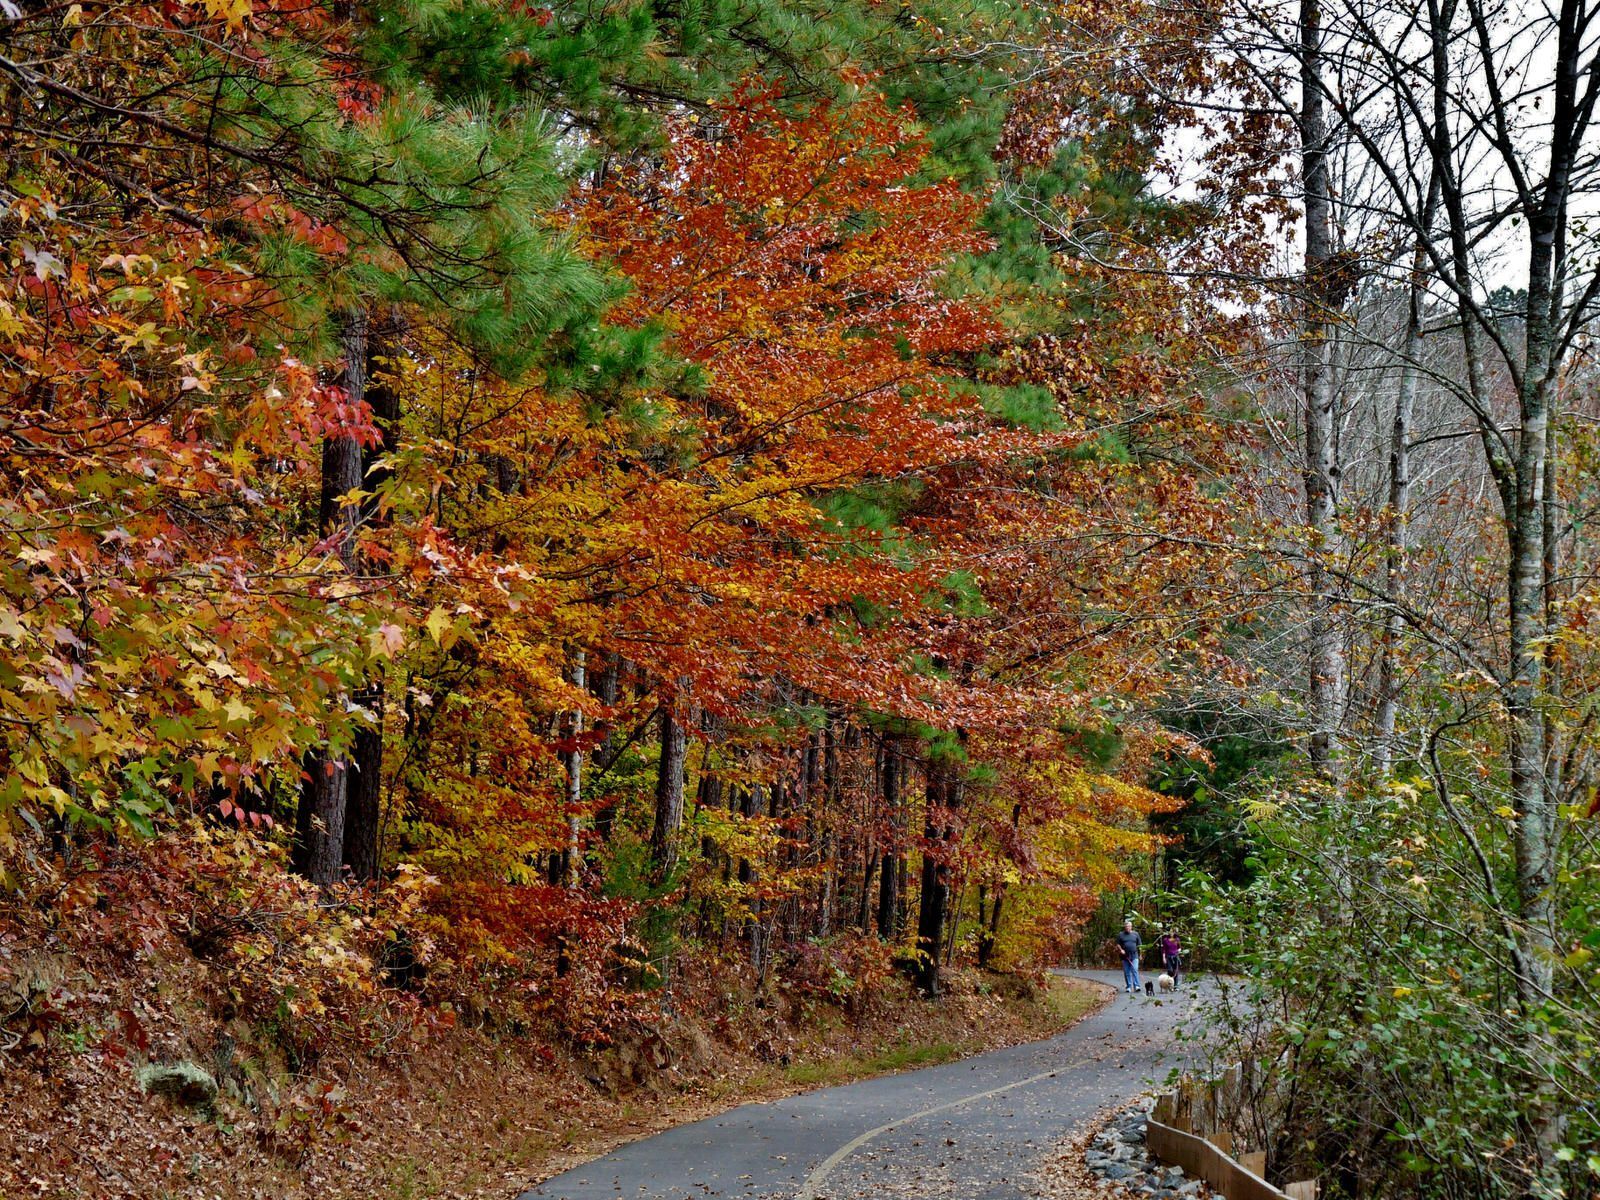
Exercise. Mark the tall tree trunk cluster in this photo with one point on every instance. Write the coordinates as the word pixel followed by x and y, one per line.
pixel 870 820
pixel 1511 355
pixel 841 802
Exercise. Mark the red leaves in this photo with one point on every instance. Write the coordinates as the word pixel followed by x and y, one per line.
pixel 358 101
pixel 270 212
pixel 808 511
pixel 540 14
pixel 330 414
pixel 237 813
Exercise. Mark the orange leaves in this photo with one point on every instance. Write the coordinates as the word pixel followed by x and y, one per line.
pixel 789 248
pixel 797 259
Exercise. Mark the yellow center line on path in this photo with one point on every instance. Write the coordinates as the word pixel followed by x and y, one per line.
pixel 808 1190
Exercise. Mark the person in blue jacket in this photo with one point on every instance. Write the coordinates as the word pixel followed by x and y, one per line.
pixel 1128 944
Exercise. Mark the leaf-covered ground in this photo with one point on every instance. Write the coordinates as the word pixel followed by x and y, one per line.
pixel 415 1104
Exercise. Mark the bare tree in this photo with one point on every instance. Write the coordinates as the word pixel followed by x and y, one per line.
pixel 1322 468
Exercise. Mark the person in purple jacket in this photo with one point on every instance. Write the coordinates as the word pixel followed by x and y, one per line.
pixel 1172 956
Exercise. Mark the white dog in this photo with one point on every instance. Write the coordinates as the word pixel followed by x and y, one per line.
pixel 1165 982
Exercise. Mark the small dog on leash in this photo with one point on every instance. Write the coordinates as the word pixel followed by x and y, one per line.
pixel 1149 988
pixel 1166 982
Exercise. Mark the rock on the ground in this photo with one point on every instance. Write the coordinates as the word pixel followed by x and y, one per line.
pixel 1119 1154
pixel 181 1081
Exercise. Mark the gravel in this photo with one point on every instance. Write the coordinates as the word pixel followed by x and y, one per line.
pixel 1118 1154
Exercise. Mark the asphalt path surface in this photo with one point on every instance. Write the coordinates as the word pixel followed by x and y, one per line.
pixel 969 1130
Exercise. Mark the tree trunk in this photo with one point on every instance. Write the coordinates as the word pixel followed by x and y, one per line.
pixel 363 820
pixel 889 876
pixel 990 934
pixel 1398 516
pixel 708 795
pixel 902 891
pixel 364 792
pixel 754 929
pixel 985 937
pixel 607 687
pixel 832 793
pixel 669 787
pixel 1535 821
pixel 869 867
pixel 324 793
pixel 1327 665
pixel 955 901
pixel 805 840
pixel 938 831
pixel 572 760
pixel 779 795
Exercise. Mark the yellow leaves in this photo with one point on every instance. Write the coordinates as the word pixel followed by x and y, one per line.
pixel 1404 791
pixel 39 556
pixel 196 377
pixel 11 325
pixel 237 710
pixel 265 742
pixel 58 800
pixel 1262 809
pixel 234 12
pixel 1402 992
pixel 142 337
pixel 202 695
pixel 108 745
pixel 440 628
pixel 32 769
pixel 386 640
pixel 11 626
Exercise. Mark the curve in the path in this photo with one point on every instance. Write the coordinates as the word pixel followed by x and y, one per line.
pixel 968 1130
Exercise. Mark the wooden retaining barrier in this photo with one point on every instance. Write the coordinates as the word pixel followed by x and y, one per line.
pixel 1202 1159
pixel 1186 1130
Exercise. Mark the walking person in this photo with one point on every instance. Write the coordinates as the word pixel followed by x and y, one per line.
pixel 1128 946
pixel 1172 957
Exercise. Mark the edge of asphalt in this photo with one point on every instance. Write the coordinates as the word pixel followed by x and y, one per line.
pixel 558 1163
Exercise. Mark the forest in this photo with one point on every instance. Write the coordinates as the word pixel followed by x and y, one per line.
pixel 547 522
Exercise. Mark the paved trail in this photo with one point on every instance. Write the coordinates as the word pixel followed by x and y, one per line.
pixel 968 1130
